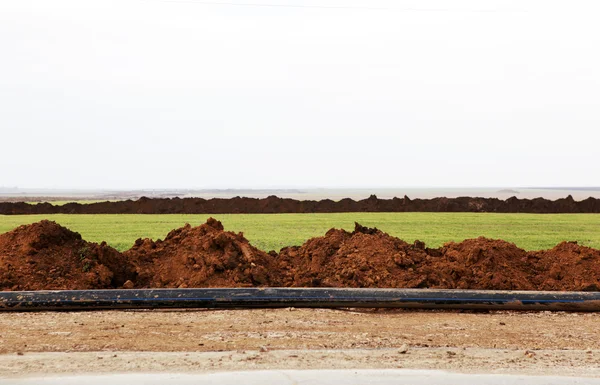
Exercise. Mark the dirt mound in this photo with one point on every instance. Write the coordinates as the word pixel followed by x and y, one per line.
pixel 370 258
pixel 479 263
pixel 568 266
pixel 203 256
pixel 364 258
pixel 45 255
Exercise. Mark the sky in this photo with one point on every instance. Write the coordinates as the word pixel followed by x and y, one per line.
pixel 130 94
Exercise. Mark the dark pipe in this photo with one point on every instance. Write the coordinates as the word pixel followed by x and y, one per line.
pixel 297 297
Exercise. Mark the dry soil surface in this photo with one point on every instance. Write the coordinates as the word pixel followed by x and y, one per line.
pixel 208 340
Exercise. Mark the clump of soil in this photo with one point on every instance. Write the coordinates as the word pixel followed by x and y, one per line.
pixel 46 256
pixel 203 256
pixel 370 258
pixel 567 266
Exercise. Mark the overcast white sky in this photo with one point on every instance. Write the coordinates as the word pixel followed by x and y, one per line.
pixel 185 94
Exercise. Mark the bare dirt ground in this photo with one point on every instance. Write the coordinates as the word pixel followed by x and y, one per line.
pixel 123 341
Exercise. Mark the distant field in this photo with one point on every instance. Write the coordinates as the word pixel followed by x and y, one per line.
pixel 273 231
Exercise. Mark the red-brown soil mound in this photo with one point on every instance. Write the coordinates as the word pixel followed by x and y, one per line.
pixel 45 255
pixel 567 266
pixel 203 256
pixel 479 263
pixel 363 258
pixel 371 258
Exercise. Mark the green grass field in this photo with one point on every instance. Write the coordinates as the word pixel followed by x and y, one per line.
pixel 273 231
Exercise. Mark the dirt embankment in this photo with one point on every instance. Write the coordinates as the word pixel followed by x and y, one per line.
pixel 45 255
pixel 274 204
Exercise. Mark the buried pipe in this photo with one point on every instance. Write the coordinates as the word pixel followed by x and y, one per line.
pixel 228 298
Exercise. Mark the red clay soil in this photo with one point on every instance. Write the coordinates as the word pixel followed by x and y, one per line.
pixel 568 266
pixel 371 258
pixel 45 255
pixel 480 263
pixel 203 256
pixel 363 258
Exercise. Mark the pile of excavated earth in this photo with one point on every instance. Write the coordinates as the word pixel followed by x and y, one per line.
pixel 46 255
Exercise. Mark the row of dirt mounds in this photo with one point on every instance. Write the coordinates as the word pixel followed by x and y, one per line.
pixel 45 255
pixel 274 204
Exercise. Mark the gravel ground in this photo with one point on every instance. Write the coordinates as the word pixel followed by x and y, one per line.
pixel 208 340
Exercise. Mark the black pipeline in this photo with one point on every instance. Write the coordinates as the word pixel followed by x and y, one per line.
pixel 224 298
